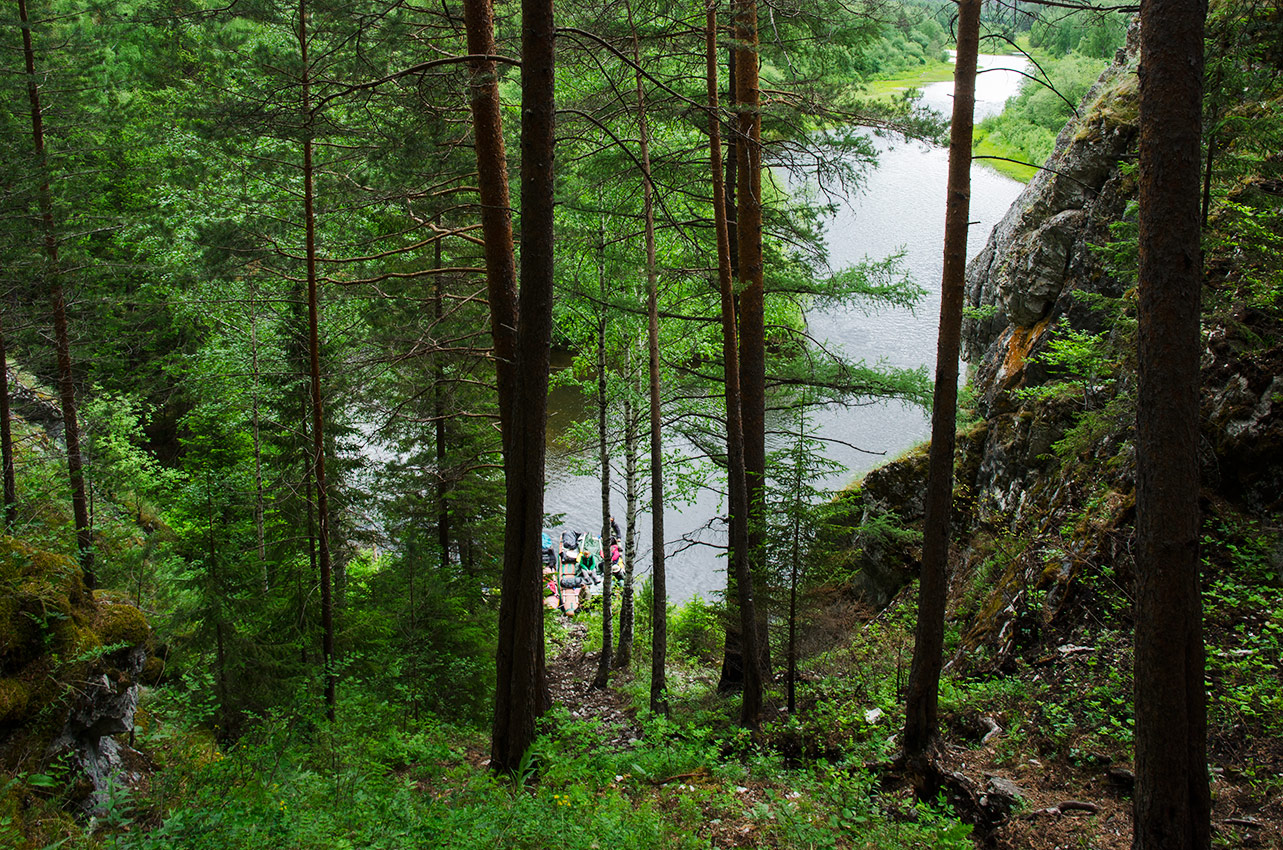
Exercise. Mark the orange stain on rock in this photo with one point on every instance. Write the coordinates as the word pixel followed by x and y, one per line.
pixel 1018 347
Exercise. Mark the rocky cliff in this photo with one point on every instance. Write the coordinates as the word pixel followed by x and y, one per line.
pixel 1041 569
pixel 1044 480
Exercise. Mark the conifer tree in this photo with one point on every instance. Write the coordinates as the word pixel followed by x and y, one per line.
pixel 921 728
pixel 1172 801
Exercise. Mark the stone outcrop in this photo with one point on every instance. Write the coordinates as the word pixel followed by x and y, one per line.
pixel 882 553
pixel 1023 280
pixel 71 666
pixel 1044 483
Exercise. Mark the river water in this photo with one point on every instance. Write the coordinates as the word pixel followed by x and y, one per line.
pixel 901 206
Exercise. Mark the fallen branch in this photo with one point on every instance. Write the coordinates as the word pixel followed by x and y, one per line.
pixel 1066 806
pixel 692 775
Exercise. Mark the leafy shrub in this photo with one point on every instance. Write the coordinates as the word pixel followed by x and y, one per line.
pixel 696 631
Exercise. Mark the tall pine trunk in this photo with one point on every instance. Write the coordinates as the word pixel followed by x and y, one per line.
pixel 624 657
pixel 6 437
pixel 314 368
pixel 58 307
pixel 1172 801
pixel 604 660
pixel 496 205
pixel 521 691
pixel 752 351
pixel 258 446
pixel 659 582
pixel 735 465
pixel 921 728
pixel 438 416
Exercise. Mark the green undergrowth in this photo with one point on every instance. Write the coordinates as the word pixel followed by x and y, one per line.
pixel 379 779
pixel 1243 615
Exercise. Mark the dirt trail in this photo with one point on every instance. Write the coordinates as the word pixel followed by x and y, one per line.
pixel 570 678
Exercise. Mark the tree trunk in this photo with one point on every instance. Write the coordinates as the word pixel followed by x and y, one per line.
pixel 921 721
pixel 1172 802
pixel 521 690
pixel 306 590
pixel 496 206
pixel 624 657
pixel 793 564
pixel 732 174
pixel 438 411
pixel 604 661
pixel 258 448
pixel 223 726
pixel 750 715
pixel 314 362
pixel 752 353
pixel 659 584
pixel 62 341
pixel 732 673
pixel 6 438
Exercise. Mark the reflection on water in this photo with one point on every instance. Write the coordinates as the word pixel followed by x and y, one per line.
pixel 901 207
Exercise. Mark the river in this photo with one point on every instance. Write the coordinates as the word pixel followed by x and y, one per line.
pixel 900 206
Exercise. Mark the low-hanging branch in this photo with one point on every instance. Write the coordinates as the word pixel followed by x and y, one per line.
pixel 419 68
pixel 1087 186
pixel 390 276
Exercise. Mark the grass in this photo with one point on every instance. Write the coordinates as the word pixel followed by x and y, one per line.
pixel 1014 170
pixel 936 72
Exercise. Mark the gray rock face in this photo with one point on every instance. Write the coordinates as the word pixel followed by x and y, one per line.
pixel 1245 414
pixel 884 563
pixel 105 708
pixel 1019 278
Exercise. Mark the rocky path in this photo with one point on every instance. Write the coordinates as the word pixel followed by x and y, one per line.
pixel 570 678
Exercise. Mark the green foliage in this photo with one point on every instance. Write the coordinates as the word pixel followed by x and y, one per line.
pixel 1027 127
pixel 1093 35
pixel 1091 368
pixel 838 804
pixel 1249 236
pixel 1243 598
pixel 696 632
pixel 1090 358
pixel 914 39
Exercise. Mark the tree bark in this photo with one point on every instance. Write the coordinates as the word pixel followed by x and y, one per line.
pixel 752 353
pixel 737 487
pixel 791 671
pixel 521 690
pixel 604 660
pixel 438 411
pixel 58 305
pixel 223 727
pixel 659 583
pixel 921 726
pixel 314 368
pixel 624 657
pixel 258 446
pixel 496 205
pixel 6 438
pixel 1172 801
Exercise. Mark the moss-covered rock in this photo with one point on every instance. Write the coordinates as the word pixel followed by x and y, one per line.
pixel 14 698
pixel 42 599
pixel 118 623
pixel 70 669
